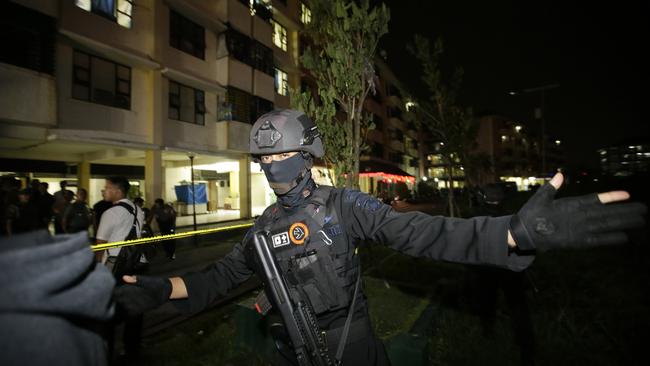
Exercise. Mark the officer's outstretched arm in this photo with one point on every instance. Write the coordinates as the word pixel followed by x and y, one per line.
pixel 191 292
pixel 479 240
pixel 542 223
pixel 142 293
pixel 178 291
pixel 596 219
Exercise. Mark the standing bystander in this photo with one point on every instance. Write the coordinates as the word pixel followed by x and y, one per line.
pixel 165 216
pixel 117 224
pixel 77 216
pixel 98 210
pixel 45 203
pixel 62 199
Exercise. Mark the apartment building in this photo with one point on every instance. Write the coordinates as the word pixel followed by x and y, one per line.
pixel 394 160
pixel 627 158
pixel 153 89
pixel 92 89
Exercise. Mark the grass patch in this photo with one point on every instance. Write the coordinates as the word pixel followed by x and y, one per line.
pixel 207 339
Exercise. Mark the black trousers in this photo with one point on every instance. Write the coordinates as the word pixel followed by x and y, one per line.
pixel 169 245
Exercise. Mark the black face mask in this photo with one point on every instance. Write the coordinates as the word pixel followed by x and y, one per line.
pixel 286 174
pixel 298 194
pixel 289 179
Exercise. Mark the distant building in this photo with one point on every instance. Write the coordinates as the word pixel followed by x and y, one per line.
pixel 625 159
pixel 515 153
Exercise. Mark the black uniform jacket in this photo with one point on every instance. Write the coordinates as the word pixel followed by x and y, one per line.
pixel 479 240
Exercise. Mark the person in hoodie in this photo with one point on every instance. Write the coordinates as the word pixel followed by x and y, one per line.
pixel 55 301
pixel 314 232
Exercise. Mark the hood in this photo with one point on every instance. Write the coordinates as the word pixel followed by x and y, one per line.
pixel 53 275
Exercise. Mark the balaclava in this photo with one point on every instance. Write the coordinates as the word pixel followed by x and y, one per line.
pixel 290 179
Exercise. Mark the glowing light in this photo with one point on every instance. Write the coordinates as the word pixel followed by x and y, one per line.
pixel 517 128
pixel 409 106
pixel 390 177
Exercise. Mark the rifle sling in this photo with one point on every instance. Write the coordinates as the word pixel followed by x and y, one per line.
pixel 346 328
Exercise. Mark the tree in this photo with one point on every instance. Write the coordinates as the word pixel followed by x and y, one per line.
pixel 344 36
pixel 454 126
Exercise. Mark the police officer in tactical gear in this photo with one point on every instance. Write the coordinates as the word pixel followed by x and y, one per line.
pixel 314 231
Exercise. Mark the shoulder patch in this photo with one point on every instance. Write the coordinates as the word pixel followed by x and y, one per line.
pixel 363 201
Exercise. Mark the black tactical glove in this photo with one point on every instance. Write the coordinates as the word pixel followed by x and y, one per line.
pixel 147 293
pixel 544 223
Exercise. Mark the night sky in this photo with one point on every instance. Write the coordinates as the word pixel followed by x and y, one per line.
pixel 597 53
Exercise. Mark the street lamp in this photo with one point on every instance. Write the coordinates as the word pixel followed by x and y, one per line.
pixel 542 92
pixel 191 155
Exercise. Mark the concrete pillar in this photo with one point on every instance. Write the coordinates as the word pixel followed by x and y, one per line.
pixel 245 204
pixel 83 175
pixel 154 173
pixel 153 176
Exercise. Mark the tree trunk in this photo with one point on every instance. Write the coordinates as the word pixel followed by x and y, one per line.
pixel 356 151
pixel 450 191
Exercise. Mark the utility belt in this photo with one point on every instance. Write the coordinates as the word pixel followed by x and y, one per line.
pixel 359 330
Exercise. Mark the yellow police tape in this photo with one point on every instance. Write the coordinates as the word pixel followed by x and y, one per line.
pixel 126 243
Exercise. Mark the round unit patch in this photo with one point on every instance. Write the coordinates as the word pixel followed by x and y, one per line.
pixel 298 232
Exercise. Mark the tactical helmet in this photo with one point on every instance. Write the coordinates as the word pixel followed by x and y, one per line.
pixel 285 130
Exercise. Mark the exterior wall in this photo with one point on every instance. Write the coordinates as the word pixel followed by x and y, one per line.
pixel 180 61
pixel 190 136
pixel 84 115
pixel 32 96
pixel 281 101
pixel 138 40
pixel 240 75
pixel 46 7
pixel 262 31
pixel 263 85
pixel 239 17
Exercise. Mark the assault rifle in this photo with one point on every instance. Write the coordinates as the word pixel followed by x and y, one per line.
pixel 307 339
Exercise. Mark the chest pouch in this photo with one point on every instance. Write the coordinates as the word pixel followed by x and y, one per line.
pixel 314 275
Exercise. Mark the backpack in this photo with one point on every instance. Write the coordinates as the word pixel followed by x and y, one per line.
pixel 128 259
pixel 166 215
pixel 78 218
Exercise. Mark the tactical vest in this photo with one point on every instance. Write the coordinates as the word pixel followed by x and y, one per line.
pixel 313 251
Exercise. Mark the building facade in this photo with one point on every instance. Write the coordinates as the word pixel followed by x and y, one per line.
pixel 154 89
pixel 626 159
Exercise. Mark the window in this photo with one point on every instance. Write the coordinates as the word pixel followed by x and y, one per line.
pixel 186 104
pixel 121 14
pixel 27 37
pixel 259 107
pixel 262 58
pixel 279 35
pixel 244 107
pixel 248 51
pixel 262 8
pixel 101 81
pixel 281 82
pixel 240 104
pixel 305 14
pixel 186 35
pixel 238 46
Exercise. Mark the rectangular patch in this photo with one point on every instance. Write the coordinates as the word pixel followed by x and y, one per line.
pixel 333 231
pixel 280 239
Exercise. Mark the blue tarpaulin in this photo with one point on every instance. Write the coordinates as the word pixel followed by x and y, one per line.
pixel 184 193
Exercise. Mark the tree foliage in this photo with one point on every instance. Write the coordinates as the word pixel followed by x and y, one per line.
pixel 344 36
pixel 441 114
